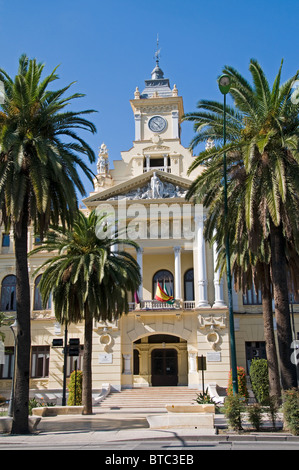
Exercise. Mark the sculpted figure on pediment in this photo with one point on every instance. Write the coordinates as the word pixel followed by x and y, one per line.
pixel 155 189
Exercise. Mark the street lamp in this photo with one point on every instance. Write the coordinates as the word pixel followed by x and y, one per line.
pixel 224 83
pixel 14 328
pixel 64 365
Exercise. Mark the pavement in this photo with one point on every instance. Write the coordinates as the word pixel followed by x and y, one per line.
pixel 126 429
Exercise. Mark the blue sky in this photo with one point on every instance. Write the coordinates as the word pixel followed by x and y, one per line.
pixel 108 47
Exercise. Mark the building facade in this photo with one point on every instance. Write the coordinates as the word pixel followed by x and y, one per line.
pixel 158 343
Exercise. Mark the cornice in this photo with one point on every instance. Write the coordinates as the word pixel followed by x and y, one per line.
pixel 158 103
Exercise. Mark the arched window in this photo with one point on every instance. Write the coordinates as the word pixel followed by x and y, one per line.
pixel 38 305
pixel 8 294
pixel 165 279
pixel 189 284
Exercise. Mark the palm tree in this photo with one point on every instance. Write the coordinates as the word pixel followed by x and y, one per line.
pixel 250 271
pixel 88 280
pixel 38 184
pixel 262 134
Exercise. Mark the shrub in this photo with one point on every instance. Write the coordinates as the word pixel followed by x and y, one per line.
pixel 33 403
pixel 233 407
pixel 291 410
pixel 242 387
pixel 260 380
pixel 255 413
pixel 75 386
pixel 205 398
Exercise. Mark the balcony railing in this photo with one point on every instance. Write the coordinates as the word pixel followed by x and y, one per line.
pixel 157 305
pixel 167 169
pixel 189 304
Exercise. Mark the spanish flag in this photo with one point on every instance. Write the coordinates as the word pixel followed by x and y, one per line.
pixel 162 295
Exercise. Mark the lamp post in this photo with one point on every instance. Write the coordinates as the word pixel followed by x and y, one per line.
pixel 13 328
pixel 64 365
pixel 224 84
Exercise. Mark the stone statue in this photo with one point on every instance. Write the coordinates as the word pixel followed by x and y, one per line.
pixel 209 144
pixel 102 163
pixel 156 187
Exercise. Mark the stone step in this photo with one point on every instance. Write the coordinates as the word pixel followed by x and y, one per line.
pixel 149 397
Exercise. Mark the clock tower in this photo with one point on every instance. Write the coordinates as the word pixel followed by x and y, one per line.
pixel 157 113
pixel 158 109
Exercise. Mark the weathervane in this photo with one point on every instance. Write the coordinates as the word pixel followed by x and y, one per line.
pixel 157 53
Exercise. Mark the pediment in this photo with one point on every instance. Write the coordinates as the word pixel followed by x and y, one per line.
pixel 152 185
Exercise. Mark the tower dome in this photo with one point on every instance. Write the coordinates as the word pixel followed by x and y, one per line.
pixel 157 73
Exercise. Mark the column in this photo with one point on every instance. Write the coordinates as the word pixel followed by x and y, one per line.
pixel 114 248
pixel 127 364
pixel 177 273
pixel 140 263
pixel 165 163
pixel 202 281
pixel 137 126
pixel 218 283
pixel 11 242
pixel 192 357
pixel 147 159
pixel 175 125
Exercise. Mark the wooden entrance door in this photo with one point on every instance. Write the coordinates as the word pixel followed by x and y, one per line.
pixel 164 367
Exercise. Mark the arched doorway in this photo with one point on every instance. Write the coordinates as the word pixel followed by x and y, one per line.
pixel 160 359
pixel 164 367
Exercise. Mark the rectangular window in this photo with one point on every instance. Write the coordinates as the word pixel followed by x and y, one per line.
pixel 5 239
pixel 6 369
pixel 40 358
pixel 254 350
pixel 252 298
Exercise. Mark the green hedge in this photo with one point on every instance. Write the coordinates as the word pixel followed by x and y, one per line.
pixel 260 380
pixel 291 410
pixel 72 400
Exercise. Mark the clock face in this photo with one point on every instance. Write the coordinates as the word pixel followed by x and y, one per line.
pixel 157 124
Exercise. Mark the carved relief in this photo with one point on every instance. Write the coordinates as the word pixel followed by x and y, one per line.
pixel 106 340
pixel 155 189
pixel 210 324
pixel 206 321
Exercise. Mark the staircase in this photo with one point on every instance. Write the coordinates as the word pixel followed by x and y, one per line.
pixel 149 397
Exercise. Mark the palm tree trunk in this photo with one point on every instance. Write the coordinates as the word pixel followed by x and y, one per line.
pixel 87 355
pixel 23 340
pixel 282 311
pixel 273 371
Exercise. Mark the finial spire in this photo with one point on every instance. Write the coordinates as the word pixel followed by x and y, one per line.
pixel 157 53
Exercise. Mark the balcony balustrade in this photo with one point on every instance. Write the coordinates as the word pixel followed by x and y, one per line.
pixel 157 305
pixel 167 169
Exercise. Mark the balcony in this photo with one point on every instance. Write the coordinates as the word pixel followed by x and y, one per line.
pixel 167 169
pixel 153 305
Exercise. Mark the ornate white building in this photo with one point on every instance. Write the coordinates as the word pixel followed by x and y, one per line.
pixel 157 343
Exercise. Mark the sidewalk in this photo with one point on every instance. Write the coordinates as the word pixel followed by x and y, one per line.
pixel 105 428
